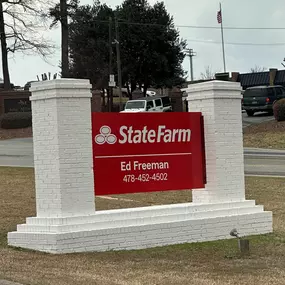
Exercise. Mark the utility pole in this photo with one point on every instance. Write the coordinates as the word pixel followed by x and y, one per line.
pixel 64 39
pixel 110 93
pixel 220 21
pixel 117 41
pixel 191 54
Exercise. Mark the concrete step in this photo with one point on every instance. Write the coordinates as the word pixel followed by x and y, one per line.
pixel 147 220
pixel 140 212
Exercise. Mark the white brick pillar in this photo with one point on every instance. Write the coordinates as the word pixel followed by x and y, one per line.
pixel 63 162
pixel 220 104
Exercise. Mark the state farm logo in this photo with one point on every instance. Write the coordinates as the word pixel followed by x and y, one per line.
pixel 127 134
pixel 105 136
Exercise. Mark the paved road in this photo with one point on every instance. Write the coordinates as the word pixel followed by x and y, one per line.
pixel 16 152
pixel 256 119
pixel 19 152
pixel 262 162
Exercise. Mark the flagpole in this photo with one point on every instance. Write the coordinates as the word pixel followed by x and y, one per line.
pixel 223 43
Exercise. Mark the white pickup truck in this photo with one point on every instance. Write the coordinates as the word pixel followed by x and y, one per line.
pixel 148 104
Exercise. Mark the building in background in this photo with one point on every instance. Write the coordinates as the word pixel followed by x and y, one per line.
pixel 266 78
pixel 251 79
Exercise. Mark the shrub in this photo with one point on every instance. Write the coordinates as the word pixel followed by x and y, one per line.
pixel 115 109
pixel 16 120
pixel 279 110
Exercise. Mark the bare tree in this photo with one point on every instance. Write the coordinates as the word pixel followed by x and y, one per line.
pixel 208 73
pixel 60 13
pixel 257 69
pixel 21 24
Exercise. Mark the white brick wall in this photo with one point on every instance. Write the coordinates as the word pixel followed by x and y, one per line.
pixel 220 103
pixel 63 148
pixel 66 220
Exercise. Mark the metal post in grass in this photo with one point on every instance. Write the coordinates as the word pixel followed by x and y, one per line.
pixel 243 244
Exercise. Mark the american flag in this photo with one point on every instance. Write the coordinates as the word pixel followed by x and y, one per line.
pixel 219 17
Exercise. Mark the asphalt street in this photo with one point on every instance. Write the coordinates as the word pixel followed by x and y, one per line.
pixel 263 162
pixel 16 152
pixel 19 152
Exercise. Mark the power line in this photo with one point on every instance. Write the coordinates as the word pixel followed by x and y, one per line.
pixel 231 28
pixel 202 27
pixel 236 43
pixel 121 21
pixel 197 27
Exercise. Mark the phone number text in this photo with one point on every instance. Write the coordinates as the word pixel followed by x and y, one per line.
pixel 131 178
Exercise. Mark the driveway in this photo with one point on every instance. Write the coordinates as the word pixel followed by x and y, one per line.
pixel 256 119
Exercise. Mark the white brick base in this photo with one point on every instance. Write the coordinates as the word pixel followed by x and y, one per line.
pixel 66 218
pixel 139 228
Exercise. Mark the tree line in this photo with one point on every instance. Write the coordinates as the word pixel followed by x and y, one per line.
pixel 151 50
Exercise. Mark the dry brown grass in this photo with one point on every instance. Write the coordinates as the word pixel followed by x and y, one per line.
pixel 16 133
pixel 196 264
pixel 265 135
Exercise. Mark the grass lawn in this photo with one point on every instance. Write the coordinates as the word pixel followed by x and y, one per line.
pixel 265 135
pixel 202 263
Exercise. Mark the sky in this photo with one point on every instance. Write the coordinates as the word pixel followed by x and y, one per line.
pixel 244 48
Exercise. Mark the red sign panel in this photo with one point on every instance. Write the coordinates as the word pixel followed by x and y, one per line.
pixel 147 152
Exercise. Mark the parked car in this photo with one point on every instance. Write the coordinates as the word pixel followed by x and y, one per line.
pixel 149 104
pixel 150 93
pixel 261 98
